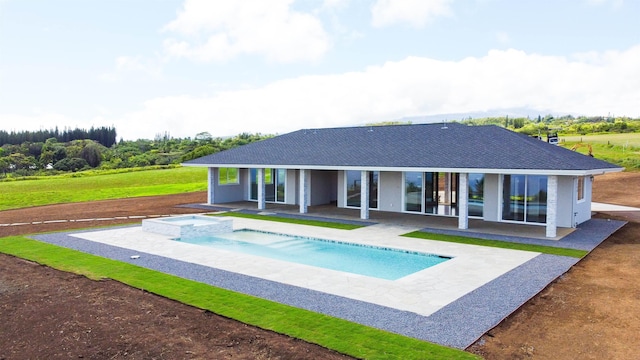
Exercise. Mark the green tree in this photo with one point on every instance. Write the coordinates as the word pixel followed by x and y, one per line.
pixel 71 164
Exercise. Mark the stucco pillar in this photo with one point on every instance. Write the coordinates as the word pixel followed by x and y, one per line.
pixel 364 195
pixel 552 205
pixel 211 184
pixel 463 202
pixel 261 189
pixel 304 191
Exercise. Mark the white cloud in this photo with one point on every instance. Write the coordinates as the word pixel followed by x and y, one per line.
pixel 222 30
pixel 133 64
pixel 333 4
pixel 593 85
pixel 415 13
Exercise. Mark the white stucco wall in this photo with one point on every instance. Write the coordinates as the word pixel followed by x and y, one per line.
pixel 583 208
pixel 492 196
pixel 566 199
pixel 323 187
pixel 390 194
pixel 291 188
pixel 227 193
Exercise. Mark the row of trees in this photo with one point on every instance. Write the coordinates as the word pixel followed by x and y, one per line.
pixel 565 124
pixel 106 136
pixel 53 156
pixel 51 151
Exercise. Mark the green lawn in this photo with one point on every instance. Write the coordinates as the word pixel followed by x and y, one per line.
pixel 620 149
pixel 79 187
pixel 629 139
pixel 333 333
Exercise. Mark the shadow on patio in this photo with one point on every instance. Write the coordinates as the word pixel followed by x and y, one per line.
pixel 445 224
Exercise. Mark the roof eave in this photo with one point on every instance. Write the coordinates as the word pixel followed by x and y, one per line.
pixel 586 172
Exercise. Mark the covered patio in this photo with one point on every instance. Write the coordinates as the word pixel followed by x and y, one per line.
pixel 429 223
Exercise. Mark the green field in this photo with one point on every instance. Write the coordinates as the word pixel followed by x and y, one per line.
pixel 619 149
pixel 91 186
pixel 626 139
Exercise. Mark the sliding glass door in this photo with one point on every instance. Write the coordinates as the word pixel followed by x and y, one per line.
pixel 524 198
pixel 431 192
pixel 413 191
pixel 476 195
pixel 274 185
pixel 353 188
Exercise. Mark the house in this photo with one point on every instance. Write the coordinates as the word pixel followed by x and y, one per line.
pixel 484 172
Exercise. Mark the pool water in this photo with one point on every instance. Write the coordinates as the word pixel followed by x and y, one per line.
pixel 384 263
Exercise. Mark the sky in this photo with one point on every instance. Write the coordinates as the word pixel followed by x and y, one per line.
pixel 156 67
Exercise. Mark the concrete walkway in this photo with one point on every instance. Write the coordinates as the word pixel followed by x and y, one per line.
pixel 602 207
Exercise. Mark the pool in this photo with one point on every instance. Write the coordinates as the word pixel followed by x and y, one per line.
pixel 383 263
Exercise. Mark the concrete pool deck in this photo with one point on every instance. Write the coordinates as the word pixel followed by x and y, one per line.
pixel 452 304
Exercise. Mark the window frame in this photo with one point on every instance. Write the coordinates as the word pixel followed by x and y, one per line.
pixel 580 184
pixel 528 202
pixel 226 180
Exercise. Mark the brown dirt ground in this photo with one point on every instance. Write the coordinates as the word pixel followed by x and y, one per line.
pixel 591 312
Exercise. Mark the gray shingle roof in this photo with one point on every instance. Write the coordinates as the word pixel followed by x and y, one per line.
pixel 434 146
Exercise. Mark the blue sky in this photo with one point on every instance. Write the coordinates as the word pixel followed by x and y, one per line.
pixel 273 66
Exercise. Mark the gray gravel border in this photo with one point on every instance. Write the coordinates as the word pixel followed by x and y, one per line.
pixel 458 324
pixel 587 235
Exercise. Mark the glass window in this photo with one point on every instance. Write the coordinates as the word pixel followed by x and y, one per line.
pixel 269 186
pixel 228 176
pixel 580 188
pixel 373 189
pixel 432 192
pixel 274 184
pixel 413 191
pixel 281 176
pixel 268 176
pixel 253 191
pixel 524 198
pixel 536 199
pixel 353 188
pixel 513 194
pixel 476 195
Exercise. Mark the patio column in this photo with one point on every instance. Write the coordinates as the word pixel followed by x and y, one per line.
pixel 261 200
pixel 304 191
pixel 463 202
pixel 364 195
pixel 211 178
pixel 552 205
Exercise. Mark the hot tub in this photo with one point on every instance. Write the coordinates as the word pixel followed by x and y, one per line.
pixel 188 226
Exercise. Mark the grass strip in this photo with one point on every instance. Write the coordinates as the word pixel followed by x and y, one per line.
pixel 327 224
pixel 333 333
pixel 498 244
